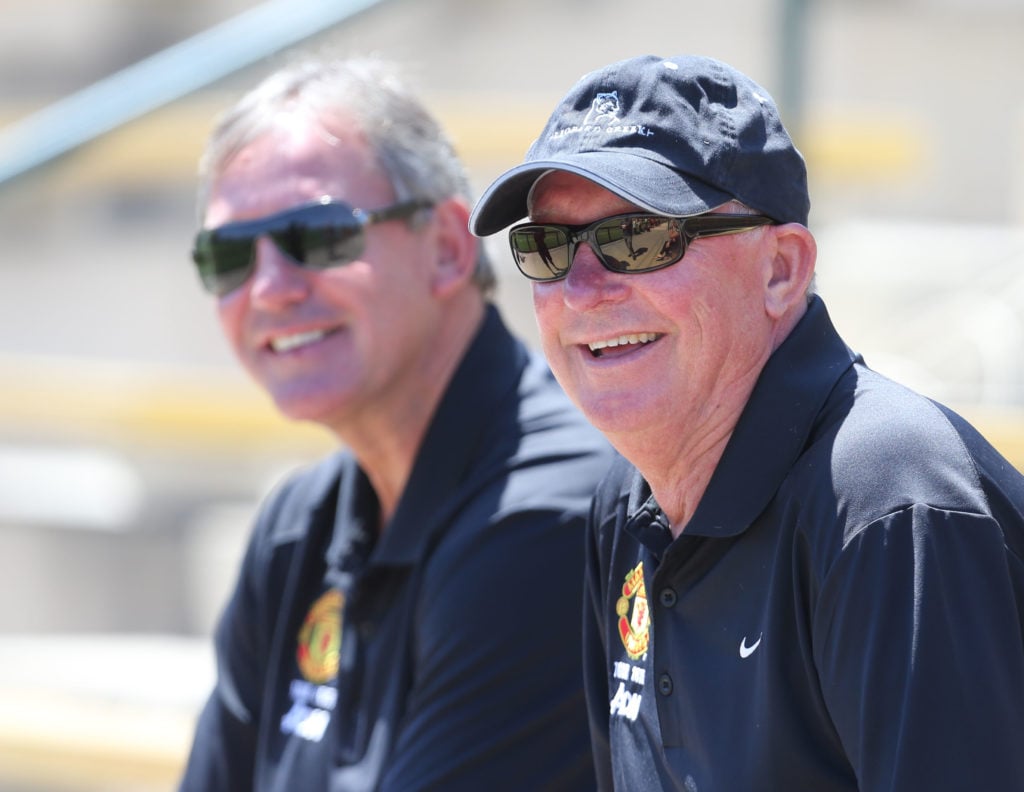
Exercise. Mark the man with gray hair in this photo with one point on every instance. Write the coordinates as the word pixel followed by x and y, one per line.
pixel 808 577
pixel 407 612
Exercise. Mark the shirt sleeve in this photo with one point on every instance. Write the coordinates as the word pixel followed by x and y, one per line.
pixel 595 671
pixel 224 746
pixel 919 647
pixel 497 698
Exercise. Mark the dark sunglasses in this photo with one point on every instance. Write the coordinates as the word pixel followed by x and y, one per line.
pixel 324 233
pixel 636 242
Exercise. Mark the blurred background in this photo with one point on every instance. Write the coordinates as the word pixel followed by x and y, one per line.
pixel 133 452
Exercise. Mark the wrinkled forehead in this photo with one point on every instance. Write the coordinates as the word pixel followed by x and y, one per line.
pixel 293 164
pixel 558 193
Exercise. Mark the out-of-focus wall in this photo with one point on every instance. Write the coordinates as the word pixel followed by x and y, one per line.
pixel 133 453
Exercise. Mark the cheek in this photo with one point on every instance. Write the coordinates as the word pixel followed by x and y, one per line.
pixel 547 307
pixel 546 302
pixel 231 313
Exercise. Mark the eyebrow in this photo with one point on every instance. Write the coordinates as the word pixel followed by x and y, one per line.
pixel 625 208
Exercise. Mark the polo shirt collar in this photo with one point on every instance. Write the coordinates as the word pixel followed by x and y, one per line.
pixel 772 430
pixel 490 369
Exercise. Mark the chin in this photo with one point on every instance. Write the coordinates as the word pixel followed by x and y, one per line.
pixel 618 412
pixel 606 418
pixel 304 408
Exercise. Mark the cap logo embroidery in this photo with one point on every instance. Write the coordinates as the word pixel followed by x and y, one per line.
pixel 605 107
pixel 603 118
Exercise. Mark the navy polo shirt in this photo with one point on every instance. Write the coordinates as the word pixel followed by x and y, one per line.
pixel 842 612
pixel 444 654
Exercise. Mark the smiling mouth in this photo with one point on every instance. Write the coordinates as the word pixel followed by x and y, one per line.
pixel 287 343
pixel 598 348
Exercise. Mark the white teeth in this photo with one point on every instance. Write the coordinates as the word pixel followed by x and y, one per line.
pixel 287 343
pixel 622 340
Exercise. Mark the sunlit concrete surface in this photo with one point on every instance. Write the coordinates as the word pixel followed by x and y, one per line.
pixel 98 713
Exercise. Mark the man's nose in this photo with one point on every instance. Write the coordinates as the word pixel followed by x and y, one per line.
pixel 276 278
pixel 588 282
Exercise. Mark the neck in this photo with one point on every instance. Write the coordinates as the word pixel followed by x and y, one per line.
pixel 678 456
pixel 679 473
pixel 678 449
pixel 386 439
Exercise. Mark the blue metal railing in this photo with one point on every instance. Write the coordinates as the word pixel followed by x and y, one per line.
pixel 168 75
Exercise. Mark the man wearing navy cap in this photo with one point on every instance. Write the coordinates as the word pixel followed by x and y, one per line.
pixel 806 577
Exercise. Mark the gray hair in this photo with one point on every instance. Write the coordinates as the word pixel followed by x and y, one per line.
pixel 737 207
pixel 411 148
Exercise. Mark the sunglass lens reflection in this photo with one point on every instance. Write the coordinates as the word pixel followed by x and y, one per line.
pixel 541 252
pixel 320 243
pixel 643 243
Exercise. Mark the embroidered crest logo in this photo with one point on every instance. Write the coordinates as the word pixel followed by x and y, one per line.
pixel 634 616
pixel 320 638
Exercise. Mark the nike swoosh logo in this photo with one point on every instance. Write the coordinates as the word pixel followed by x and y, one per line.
pixel 747 651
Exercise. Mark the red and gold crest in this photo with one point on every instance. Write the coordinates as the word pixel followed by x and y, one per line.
pixel 320 638
pixel 634 616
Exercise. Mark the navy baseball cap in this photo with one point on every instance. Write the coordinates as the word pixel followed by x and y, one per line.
pixel 675 136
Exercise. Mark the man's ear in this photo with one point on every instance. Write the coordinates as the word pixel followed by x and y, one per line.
pixel 456 247
pixel 791 269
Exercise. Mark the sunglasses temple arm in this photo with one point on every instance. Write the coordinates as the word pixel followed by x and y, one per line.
pixel 397 212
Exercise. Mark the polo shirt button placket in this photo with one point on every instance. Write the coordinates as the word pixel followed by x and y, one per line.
pixel 667 597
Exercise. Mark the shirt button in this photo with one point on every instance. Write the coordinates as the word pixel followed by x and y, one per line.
pixel 668 597
pixel 665 685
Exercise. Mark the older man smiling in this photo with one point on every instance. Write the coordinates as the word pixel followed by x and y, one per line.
pixel 809 577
